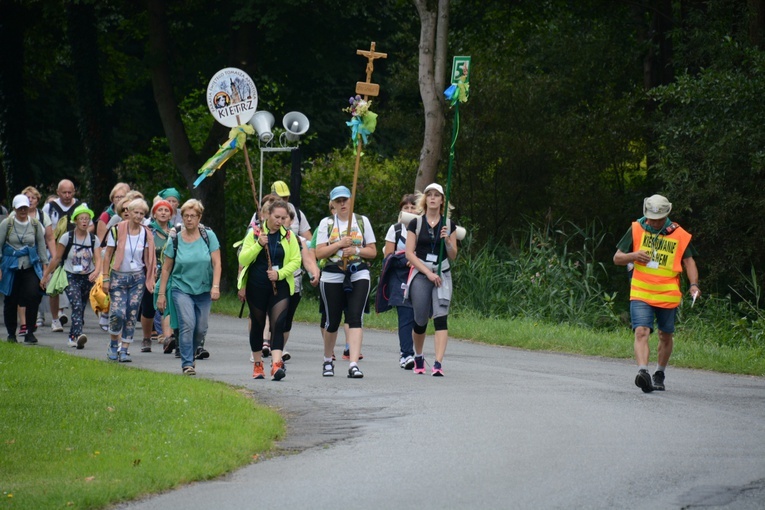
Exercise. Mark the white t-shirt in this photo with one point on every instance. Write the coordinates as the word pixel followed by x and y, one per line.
pixel 132 260
pixel 399 241
pixel 80 258
pixel 331 229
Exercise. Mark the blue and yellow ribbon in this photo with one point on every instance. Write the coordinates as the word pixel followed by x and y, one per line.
pixel 237 139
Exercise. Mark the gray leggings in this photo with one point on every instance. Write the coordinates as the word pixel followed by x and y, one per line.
pixel 424 297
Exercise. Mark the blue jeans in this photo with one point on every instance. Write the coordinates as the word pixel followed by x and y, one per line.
pixel 125 293
pixel 193 313
pixel 642 314
pixel 405 325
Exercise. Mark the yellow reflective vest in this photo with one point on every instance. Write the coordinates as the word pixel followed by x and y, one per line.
pixel 658 282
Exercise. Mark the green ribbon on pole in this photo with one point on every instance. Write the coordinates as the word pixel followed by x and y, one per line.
pixel 455 133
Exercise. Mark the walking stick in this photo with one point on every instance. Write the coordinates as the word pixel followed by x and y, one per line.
pixel 268 259
pixel 455 132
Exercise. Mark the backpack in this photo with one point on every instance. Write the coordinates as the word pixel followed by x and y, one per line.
pixel 419 226
pixel 11 222
pixel 203 234
pixel 64 223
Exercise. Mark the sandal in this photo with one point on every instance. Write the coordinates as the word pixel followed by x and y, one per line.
pixel 355 373
pixel 189 370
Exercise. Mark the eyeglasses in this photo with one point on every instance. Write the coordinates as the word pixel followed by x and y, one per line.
pixel 190 216
pixel 117 198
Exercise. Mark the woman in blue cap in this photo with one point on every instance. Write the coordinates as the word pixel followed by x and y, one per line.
pixel 345 279
pixel 80 255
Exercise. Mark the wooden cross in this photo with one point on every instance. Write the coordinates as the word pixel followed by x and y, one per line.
pixel 368 88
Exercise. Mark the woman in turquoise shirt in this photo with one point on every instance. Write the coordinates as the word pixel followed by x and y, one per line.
pixel 269 257
pixel 192 268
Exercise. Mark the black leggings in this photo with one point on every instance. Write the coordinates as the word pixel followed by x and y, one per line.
pixel 262 302
pixel 336 300
pixel 294 302
pixel 26 292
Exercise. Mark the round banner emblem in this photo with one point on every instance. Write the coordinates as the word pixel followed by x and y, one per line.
pixel 232 97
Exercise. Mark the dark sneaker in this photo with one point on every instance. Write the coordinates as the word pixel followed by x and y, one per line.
pixel 23 330
pixel 30 338
pixel 419 365
pixel 178 352
pixel 81 341
pixel 286 356
pixel 63 319
pixel 347 354
pixel 329 369
pixel 658 380
pixel 355 372
pixel 266 350
pixel 146 345
pixel 643 381
pixel 169 345
pixel 201 353
pixel 437 370
pixel 12 339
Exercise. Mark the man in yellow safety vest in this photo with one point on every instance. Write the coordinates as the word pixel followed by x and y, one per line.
pixel 658 250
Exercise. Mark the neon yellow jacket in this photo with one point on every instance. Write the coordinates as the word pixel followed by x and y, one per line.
pixel 251 248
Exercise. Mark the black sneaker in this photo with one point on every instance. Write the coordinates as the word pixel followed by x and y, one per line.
pixel 12 339
pixel 201 353
pixel 178 352
pixel 146 345
pixel 329 369
pixel 658 380
pixel 355 372
pixel 643 381
pixel 30 338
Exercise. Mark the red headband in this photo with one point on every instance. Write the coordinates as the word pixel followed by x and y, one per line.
pixel 160 203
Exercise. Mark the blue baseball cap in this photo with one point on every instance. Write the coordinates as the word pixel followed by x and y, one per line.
pixel 340 192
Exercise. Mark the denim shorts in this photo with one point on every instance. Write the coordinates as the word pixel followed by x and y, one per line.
pixel 643 315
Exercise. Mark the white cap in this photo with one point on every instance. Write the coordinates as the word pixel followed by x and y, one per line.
pixel 434 186
pixel 20 201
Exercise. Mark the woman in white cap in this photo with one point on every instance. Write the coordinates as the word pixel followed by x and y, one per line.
pixel 345 279
pixel 430 282
pixel 24 259
pixel 80 254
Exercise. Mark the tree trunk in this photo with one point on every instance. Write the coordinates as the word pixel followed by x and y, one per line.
pixel 434 20
pixel 13 128
pixel 186 160
pixel 94 128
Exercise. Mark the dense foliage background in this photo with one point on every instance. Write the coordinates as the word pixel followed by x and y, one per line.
pixel 577 111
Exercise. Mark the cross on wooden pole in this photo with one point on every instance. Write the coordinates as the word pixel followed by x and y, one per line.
pixel 367 88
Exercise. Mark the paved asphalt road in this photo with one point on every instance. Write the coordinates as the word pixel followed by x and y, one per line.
pixel 504 429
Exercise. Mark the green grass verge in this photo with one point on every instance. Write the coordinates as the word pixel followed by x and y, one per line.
pixel 82 433
pixel 692 349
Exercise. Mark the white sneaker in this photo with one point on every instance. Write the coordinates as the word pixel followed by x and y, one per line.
pixel 71 343
pixel 407 363
pixel 56 327
pixel 252 358
pixel 402 361
pixel 40 320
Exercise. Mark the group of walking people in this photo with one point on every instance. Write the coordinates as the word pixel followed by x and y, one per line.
pixel 160 266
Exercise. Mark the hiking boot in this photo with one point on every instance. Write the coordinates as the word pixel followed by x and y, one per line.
pixel 277 371
pixel 146 345
pixel 111 351
pixel 169 345
pixel 355 372
pixel 643 381
pixel 658 380
pixel 71 342
pixel 30 338
pixel 257 371
pixel 81 341
pixel 201 353
pixel 266 350
pixel 419 365
pixel 328 369
pixel 437 370
pixel 55 326
pixel 123 356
